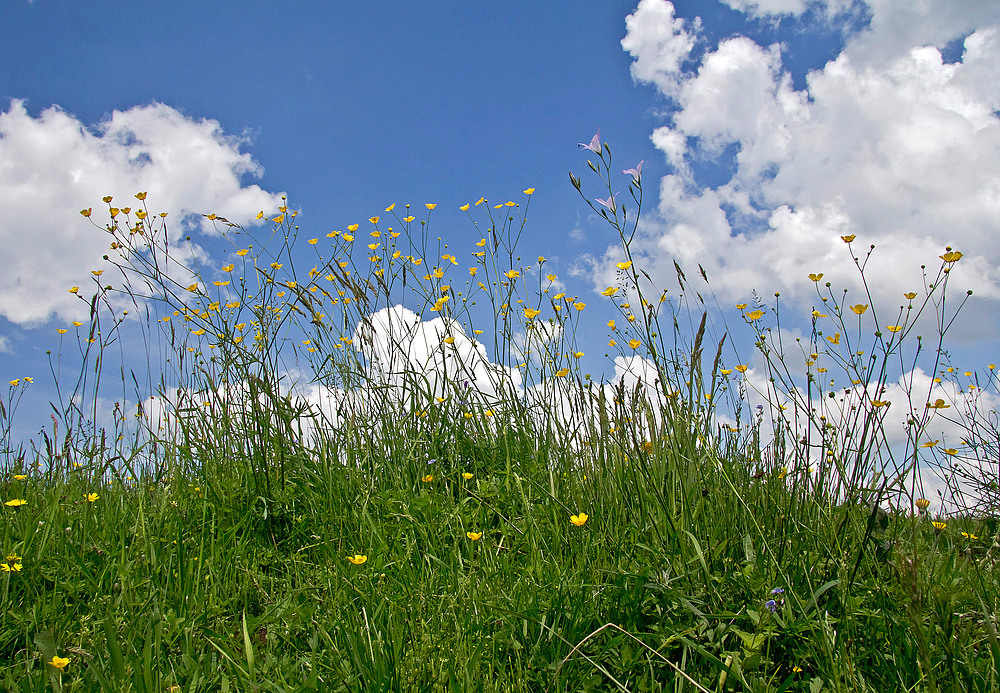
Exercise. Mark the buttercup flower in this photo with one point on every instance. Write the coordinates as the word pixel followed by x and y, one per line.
pixel 59 662
pixel 474 536
pixel 357 559
pixel 579 520
pixel 16 502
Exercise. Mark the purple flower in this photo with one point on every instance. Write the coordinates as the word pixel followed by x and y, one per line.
pixel 609 203
pixel 770 604
pixel 777 590
pixel 635 172
pixel 595 144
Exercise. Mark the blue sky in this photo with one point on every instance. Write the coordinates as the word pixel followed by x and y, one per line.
pixel 767 129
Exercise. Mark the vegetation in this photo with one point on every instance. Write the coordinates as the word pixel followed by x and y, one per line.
pixel 327 494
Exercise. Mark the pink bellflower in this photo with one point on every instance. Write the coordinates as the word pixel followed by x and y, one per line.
pixel 595 144
pixel 636 172
pixel 609 203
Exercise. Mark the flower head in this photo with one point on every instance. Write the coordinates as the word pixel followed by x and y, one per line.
pixel 16 502
pixel 636 172
pixel 579 520
pixel 59 662
pixel 357 559
pixel 474 536
pixel 595 143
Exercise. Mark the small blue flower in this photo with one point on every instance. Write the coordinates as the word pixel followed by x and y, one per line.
pixel 777 590
pixel 770 604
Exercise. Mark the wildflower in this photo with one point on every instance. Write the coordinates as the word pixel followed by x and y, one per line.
pixel 911 295
pixel 611 324
pixel 894 328
pixel 634 343
pixel 624 265
pixel 87 212
pixel 74 289
pixel 580 306
pixel 357 559
pixel 595 143
pixel 579 520
pixel 929 444
pixel 938 404
pixel 59 662
pixel 969 536
pixel 91 497
pixel 777 590
pixel 562 372
pixel 848 239
pixel 755 315
pixel 512 274
pixel 835 339
pixel 20 477
pixel 428 479
pixel 636 172
pixel 430 205
pixel 954 256
pixel 816 277
pixel 529 191
pixel 725 371
pixel 771 604
pixel 741 368
pixel 467 475
pixel 939 525
pixel 474 536
pixel 859 309
pixel 610 291
pixel 16 502
pixel 609 203
pixel 922 504
pixel 530 313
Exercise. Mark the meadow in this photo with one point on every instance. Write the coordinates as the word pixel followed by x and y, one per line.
pixel 329 492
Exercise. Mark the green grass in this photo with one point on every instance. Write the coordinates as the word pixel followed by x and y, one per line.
pixel 719 552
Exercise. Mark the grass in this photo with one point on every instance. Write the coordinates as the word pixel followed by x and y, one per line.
pixel 435 526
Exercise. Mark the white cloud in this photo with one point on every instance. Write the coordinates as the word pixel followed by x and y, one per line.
pixel 53 166
pixel 886 141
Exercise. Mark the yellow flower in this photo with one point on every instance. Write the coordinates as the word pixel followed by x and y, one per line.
pixel 610 291
pixel 16 502
pixel 530 313
pixel 755 315
pixel 428 479
pixel 923 503
pixel 529 191
pixel 816 277
pixel 741 368
pixel 512 274
pixel 817 314
pixel 243 252
pixel 449 340
pixel 969 536
pixel 835 339
pixel 430 206
pixel 929 444
pixel 466 475
pixel 954 256
pixel 579 306
pixel 624 265
pixel 938 404
pixel 726 371
pixel 634 343
pixel 14 382
pixel 894 328
pixel 741 306
pixel 950 451
pixel 373 220
pixel 357 559
pixel 911 295
pixel 74 289
pixel 859 309
pixel 87 212
pixel 878 403
pixel 847 239
pixel 579 520
pixel 20 477
pixel 59 662
pixel 91 497
pixel 939 525
pixel 562 372
pixel 475 536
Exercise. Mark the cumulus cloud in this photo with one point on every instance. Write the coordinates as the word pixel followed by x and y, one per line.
pixel 53 165
pixel 887 141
